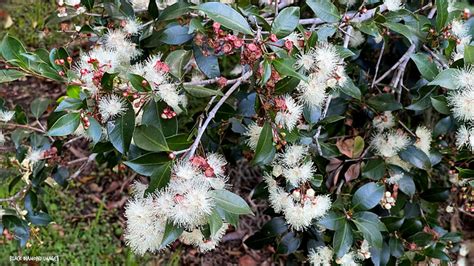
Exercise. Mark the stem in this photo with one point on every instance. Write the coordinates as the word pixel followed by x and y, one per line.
pixel 213 112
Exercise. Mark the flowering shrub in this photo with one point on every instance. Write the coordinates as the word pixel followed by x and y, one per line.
pixel 360 116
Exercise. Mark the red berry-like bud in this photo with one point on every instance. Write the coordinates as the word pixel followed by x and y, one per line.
pixel 273 37
pixel 209 172
pixel 144 83
pixel 221 82
pixel 56 61
pixel 172 155
pixel 61 73
pixel 61 61
pixel 69 59
pixel 288 45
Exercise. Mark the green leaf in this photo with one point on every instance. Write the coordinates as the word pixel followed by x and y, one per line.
pixel 468 55
pixel 152 117
pixel 8 75
pixel 358 147
pixel 95 130
pixel 153 9
pixel 384 102
pixel 137 82
pixel 370 233
pixel 437 194
pixel 289 243
pixel 175 35
pixel 351 89
pixel 370 218
pixel 201 92
pixel 446 79
pixel 374 169
pixel 361 199
pixel 208 64
pixel 440 104
pixel 331 220
pixel 12 49
pixel 107 81
pixel 160 178
pixel 393 223
pixel 174 11
pixel 275 227
pixel 325 10
pixel 407 185
pixel 150 138
pixel 39 106
pixel 230 202
pixel 425 65
pixel 215 222
pixel 416 157
pixel 286 21
pixel 65 125
pixel 343 238
pixel 265 150
pixel 178 142
pixel 146 164
pixel 441 14
pixel 177 60
pixel 285 66
pixel 120 130
pixel 396 247
pixel 171 233
pixel 410 33
pixel 226 16
pixel 89 4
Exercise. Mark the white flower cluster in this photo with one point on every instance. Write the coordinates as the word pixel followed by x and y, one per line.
pixel 393 5
pixel 5 116
pixel 321 256
pixel 186 202
pixel 301 206
pixel 462 102
pixel 461 31
pixel 325 69
pixel 253 134
pixel 389 143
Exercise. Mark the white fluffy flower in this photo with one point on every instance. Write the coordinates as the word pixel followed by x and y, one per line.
pixel 305 61
pixel 192 208
pixel 459 29
pixel 463 105
pixel 464 78
pixel 347 260
pixel 144 228
pixel 140 4
pixel 300 216
pixel 297 175
pixel 196 238
pixel 185 170
pixel 348 3
pixel 313 93
pixel 321 256
pixel 465 137
pixel 394 179
pixel 388 144
pixel 253 133
pixel 356 38
pixel 34 156
pixel 423 139
pixel 132 26
pixel 327 57
pixel 170 95
pixel 111 106
pixel 6 116
pixel 290 115
pixel 292 156
pixel 393 5
pixel 72 2
pixel 384 121
pixel 279 199
pixel 217 162
pixel 295 38
pixel 364 250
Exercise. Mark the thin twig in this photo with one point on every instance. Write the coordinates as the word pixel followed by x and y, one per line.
pixel 435 56
pixel 26 127
pixel 202 128
pixel 378 63
pixel 363 17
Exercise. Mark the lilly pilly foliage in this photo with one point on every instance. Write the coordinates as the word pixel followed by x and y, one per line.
pixel 238 64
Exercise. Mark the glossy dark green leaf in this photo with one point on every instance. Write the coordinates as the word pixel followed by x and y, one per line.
pixel 226 16
pixel 425 65
pixel 215 222
pixel 360 200
pixel 445 79
pixel 275 227
pixel 8 75
pixel 325 10
pixel 171 233
pixel 150 138
pixel 265 150
pixel 349 88
pixel 147 164
pixel 331 220
pixel 289 243
pixel 137 82
pixel 65 125
pixel 89 4
pixel 374 169
pixel 178 142
pixel 94 131
pixel 177 60
pixel 393 223
pixel 440 104
pixel 175 35
pixel 468 55
pixel 407 185
pixel 121 129
pixel 160 178
pixel 285 66
pixel 439 194
pixel 384 102
pixel 286 21
pixel 11 49
pixel 39 106
pixel 174 11
pixel 342 240
pixel 441 14
pixel 152 117
pixel 201 92
pixel 396 247
pixel 230 202
pixel 416 157
pixel 209 65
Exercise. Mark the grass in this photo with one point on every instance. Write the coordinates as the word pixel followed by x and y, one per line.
pixel 93 241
